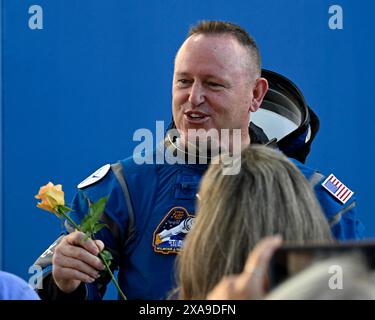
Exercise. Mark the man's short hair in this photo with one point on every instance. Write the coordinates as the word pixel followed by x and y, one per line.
pixel 221 27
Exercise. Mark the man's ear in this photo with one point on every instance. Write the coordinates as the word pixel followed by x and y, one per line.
pixel 259 91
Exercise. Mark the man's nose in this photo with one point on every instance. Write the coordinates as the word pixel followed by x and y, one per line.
pixel 197 94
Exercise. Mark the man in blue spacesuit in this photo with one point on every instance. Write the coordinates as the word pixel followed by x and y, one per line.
pixel 217 84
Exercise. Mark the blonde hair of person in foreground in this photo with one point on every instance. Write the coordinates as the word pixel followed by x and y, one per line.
pixel 269 196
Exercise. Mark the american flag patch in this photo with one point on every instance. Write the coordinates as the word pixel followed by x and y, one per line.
pixel 335 187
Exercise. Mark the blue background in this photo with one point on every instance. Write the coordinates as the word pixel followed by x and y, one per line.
pixel 74 93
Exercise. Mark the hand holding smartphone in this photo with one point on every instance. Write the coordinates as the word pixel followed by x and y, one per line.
pixel 289 260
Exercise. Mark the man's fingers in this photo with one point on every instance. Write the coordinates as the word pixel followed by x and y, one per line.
pixel 100 245
pixel 75 260
pixel 78 238
pixel 72 274
pixel 83 255
pixel 68 262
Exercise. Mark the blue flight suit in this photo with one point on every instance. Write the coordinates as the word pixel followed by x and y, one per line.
pixel 144 200
pixel 343 219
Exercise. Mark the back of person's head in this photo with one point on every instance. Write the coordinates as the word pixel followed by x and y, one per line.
pixel 210 27
pixel 344 277
pixel 269 196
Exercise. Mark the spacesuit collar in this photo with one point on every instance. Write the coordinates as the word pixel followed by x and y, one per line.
pixel 184 155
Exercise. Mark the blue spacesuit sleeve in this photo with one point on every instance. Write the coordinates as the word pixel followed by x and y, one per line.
pixel 343 218
pixel 349 227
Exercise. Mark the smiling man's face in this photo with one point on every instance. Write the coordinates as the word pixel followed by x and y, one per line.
pixel 212 85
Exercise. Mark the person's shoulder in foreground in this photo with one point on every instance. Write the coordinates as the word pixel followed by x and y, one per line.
pixel 14 288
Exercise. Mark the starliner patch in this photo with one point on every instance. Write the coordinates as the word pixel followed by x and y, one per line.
pixel 335 187
pixel 171 231
pixel 95 177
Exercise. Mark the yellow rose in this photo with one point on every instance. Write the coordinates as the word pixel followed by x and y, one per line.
pixel 52 196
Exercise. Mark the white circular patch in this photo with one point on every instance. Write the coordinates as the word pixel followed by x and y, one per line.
pixel 96 176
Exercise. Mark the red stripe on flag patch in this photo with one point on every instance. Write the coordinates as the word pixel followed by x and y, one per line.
pixel 337 189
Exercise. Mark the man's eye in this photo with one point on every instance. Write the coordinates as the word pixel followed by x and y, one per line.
pixel 214 84
pixel 183 82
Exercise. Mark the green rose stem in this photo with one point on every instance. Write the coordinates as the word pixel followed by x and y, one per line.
pixel 60 211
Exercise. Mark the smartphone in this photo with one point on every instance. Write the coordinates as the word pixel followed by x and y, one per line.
pixel 289 260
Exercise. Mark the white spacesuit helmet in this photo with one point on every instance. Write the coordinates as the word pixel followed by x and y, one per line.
pixel 285 116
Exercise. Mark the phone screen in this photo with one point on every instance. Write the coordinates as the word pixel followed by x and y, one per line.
pixel 290 260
